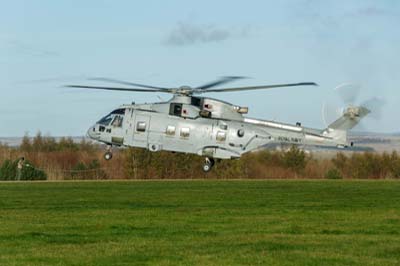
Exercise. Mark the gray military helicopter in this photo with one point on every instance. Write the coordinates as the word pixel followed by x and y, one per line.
pixel 205 126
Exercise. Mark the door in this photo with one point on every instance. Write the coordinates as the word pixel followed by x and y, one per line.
pixel 141 130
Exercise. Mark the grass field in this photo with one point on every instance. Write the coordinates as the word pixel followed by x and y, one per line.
pixel 200 223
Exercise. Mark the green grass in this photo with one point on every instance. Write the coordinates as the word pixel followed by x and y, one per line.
pixel 200 223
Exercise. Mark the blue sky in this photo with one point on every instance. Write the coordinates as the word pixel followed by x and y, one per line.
pixel 46 44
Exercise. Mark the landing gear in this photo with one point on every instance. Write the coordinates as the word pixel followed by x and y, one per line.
pixel 108 154
pixel 208 164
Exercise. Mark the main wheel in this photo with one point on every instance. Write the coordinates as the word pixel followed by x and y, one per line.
pixel 206 167
pixel 208 164
pixel 108 156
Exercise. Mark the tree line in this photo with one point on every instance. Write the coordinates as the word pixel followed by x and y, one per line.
pixel 67 160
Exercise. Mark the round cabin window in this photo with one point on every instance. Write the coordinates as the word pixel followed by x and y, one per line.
pixel 240 133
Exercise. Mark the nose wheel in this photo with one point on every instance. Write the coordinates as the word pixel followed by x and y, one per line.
pixel 208 164
pixel 108 154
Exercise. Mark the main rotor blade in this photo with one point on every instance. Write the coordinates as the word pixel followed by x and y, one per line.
pixel 117 89
pixel 219 81
pixel 259 87
pixel 127 83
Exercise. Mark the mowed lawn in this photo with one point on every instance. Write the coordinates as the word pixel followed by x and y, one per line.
pixel 200 223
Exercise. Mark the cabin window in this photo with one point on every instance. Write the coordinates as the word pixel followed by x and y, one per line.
pixel 185 132
pixel 175 109
pixel 240 133
pixel 221 136
pixel 101 129
pixel 170 131
pixel 196 101
pixel 141 126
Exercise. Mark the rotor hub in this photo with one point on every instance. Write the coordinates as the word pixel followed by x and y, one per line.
pixel 353 112
pixel 186 90
pixel 185 87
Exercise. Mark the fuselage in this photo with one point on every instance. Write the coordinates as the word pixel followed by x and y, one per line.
pixel 203 126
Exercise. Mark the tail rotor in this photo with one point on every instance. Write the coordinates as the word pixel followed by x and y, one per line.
pixel 345 102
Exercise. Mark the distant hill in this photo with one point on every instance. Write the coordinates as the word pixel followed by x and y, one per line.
pixel 363 133
pixel 16 141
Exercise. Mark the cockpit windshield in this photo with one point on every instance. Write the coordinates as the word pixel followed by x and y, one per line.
pixel 115 116
pixel 117 122
pixel 105 120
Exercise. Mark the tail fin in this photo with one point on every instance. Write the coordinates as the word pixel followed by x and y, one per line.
pixel 350 118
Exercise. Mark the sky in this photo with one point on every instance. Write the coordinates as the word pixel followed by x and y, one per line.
pixel 47 44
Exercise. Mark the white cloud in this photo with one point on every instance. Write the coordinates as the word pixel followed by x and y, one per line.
pixel 186 33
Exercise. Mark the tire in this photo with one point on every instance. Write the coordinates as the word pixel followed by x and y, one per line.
pixel 108 156
pixel 206 167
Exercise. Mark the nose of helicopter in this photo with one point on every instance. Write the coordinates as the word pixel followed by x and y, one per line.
pixel 91 133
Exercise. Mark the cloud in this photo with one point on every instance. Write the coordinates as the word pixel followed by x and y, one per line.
pixel 186 33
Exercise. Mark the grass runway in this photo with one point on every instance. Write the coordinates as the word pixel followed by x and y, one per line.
pixel 274 222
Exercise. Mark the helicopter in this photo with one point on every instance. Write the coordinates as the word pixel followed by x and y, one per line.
pixel 208 127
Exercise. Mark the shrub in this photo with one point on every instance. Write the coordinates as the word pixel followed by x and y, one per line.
pixel 77 171
pixel 395 165
pixel 92 170
pixel 29 172
pixel 9 171
pixel 95 170
pixel 333 173
pixel 231 169
pixel 340 162
pixel 294 159
pixel 67 144
pixel 26 145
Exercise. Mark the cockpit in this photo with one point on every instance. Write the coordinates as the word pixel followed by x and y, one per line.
pixel 115 118
pixel 109 128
